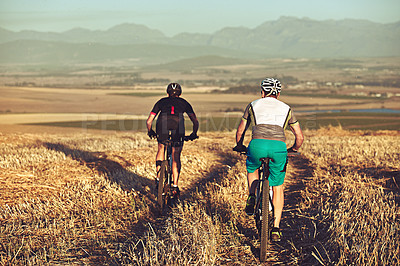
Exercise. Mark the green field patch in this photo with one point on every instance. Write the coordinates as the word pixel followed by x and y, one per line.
pixel 332 96
pixel 348 120
pixel 352 121
pixel 208 123
pixel 116 125
pixel 358 114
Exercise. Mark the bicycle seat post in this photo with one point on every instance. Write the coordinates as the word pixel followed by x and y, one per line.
pixel 264 166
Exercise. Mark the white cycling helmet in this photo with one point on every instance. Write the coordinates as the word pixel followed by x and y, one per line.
pixel 271 86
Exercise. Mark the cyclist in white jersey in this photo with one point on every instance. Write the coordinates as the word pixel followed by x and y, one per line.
pixel 269 118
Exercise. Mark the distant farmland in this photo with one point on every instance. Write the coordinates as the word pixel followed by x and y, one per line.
pixel 347 120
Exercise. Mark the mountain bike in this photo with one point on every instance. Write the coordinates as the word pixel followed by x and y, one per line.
pixel 165 180
pixel 264 219
pixel 264 208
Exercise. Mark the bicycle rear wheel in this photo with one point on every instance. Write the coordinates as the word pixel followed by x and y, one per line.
pixel 163 180
pixel 264 241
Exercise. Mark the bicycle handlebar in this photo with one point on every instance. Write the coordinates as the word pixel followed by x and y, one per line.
pixel 290 150
pixel 243 150
pixel 240 149
pixel 153 135
pixel 190 137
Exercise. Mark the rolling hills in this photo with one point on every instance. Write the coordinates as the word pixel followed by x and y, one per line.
pixel 286 37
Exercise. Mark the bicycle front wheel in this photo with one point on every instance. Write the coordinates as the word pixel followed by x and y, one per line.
pixel 162 181
pixel 264 241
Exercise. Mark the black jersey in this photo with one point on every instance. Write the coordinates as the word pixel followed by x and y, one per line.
pixel 171 110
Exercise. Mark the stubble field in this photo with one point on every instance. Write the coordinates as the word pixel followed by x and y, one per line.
pixel 86 197
pixel 80 194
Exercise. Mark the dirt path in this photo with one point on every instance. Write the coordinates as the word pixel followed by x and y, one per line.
pixel 302 233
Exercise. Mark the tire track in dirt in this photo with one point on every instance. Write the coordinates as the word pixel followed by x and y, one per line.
pixel 302 234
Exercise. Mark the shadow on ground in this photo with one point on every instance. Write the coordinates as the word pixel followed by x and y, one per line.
pixel 99 163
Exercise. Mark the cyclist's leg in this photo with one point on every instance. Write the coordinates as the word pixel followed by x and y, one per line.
pixel 252 164
pixel 255 151
pixel 277 176
pixel 159 157
pixel 176 163
pixel 177 138
pixel 161 137
pixel 277 201
pixel 252 181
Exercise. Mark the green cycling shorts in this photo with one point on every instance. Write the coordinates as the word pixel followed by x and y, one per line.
pixel 274 149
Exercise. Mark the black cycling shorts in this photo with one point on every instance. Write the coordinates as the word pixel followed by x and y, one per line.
pixel 177 139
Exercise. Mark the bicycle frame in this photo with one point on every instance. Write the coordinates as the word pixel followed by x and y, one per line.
pixel 262 181
pixel 166 179
pixel 263 174
pixel 168 158
pixel 165 176
pixel 262 208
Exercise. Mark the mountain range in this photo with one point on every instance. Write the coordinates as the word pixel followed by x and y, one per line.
pixel 287 37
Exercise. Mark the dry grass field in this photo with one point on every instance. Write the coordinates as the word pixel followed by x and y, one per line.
pixel 86 198
pixel 79 196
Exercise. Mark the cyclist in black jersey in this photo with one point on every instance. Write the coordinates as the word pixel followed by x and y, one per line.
pixel 170 111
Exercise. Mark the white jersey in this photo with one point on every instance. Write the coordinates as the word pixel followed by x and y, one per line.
pixel 269 117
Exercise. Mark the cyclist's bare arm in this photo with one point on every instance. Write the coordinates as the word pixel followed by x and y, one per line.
pixel 298 134
pixel 195 122
pixel 241 130
pixel 149 121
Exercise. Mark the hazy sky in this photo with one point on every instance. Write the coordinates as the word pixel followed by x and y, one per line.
pixel 176 16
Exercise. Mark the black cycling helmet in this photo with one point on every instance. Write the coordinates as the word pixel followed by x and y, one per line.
pixel 174 89
pixel 271 86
